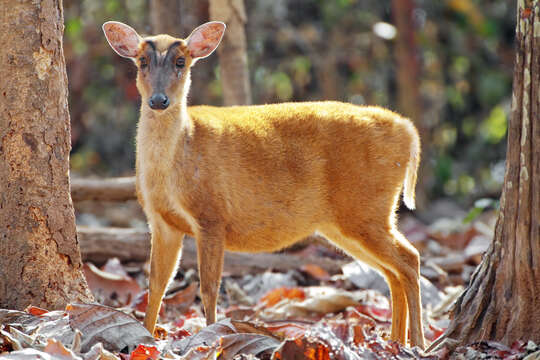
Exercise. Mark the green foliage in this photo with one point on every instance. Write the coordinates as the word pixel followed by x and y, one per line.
pixel 282 85
pixel 479 206
pixel 443 169
pixel 75 35
pixel 316 50
pixel 492 87
pixel 493 128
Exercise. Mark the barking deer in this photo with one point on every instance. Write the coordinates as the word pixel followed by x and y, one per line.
pixel 259 178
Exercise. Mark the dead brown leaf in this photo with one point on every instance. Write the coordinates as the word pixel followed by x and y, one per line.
pixel 302 348
pixel 316 272
pixel 207 337
pixel 277 295
pixel 288 328
pixel 58 351
pixel 249 344
pixel 113 328
pixel 183 298
pixel 111 286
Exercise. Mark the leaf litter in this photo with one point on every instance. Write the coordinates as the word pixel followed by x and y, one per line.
pixel 303 314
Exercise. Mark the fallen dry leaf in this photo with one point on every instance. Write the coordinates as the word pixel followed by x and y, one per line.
pixel 111 286
pixel 18 318
pixel 452 233
pixel 383 314
pixel 277 295
pixel 34 310
pixel 207 337
pixel 184 297
pixel 302 348
pixel 248 344
pixel 113 328
pixel 58 351
pixel 27 354
pixel 236 312
pixel 318 301
pixel 358 317
pixel 114 266
pixel 97 352
pixel 144 352
pixel 315 271
pixel 288 329
pixel 251 328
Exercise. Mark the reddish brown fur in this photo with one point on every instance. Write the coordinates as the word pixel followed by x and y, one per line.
pixel 259 178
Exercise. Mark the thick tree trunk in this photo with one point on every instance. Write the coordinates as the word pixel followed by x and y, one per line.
pixel 407 64
pixel 232 51
pixel 408 72
pixel 40 263
pixel 165 17
pixel 502 301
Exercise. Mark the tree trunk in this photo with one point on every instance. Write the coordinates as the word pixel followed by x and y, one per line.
pixel 407 64
pixel 408 72
pixel 232 51
pixel 501 302
pixel 165 17
pixel 40 262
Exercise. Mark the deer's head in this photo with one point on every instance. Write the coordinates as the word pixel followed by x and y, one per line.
pixel 163 61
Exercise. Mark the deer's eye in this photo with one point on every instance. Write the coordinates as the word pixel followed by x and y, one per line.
pixel 143 62
pixel 180 62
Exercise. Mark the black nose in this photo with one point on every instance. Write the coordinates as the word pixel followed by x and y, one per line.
pixel 159 101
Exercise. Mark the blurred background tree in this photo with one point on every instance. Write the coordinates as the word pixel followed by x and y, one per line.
pixel 298 50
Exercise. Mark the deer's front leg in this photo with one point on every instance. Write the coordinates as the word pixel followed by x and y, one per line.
pixel 210 251
pixel 166 249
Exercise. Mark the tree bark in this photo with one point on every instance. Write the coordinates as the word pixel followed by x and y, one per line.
pixel 408 72
pixel 165 17
pixel 232 51
pixel 501 302
pixel 407 64
pixel 40 262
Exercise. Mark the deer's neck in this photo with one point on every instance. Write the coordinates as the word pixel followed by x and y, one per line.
pixel 160 134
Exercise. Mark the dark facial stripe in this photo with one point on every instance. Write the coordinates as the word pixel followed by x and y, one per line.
pixel 173 45
pixel 151 51
pixel 171 52
pixel 163 68
pixel 152 45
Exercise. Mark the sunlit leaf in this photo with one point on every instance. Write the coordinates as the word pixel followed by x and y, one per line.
pixel 144 352
pixel 277 295
pixel 493 128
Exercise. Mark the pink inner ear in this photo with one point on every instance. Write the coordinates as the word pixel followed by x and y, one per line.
pixel 205 39
pixel 123 39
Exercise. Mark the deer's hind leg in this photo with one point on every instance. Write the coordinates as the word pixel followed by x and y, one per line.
pixel 399 307
pixel 388 251
pixel 408 271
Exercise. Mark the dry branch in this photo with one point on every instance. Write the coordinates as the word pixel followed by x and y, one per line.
pixel 99 244
pixel 113 189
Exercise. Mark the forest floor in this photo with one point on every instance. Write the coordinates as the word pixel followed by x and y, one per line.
pixel 311 312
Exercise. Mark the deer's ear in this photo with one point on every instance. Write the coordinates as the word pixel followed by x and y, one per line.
pixel 205 39
pixel 122 38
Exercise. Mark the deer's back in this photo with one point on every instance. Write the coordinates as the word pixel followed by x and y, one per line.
pixel 277 171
